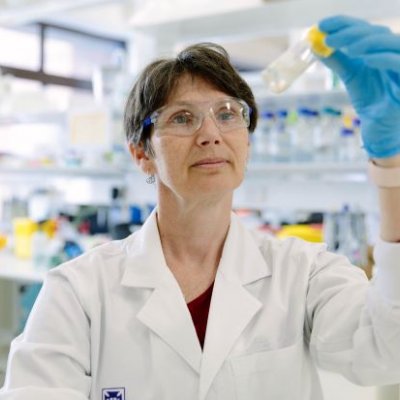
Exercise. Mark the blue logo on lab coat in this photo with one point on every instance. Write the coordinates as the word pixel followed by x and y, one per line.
pixel 114 394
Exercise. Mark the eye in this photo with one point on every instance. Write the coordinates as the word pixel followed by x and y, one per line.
pixel 228 114
pixel 181 118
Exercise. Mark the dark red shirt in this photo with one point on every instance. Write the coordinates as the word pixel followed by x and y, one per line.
pixel 199 308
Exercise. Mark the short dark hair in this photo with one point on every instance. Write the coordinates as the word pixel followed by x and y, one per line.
pixel 157 81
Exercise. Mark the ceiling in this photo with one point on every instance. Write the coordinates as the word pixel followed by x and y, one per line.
pixel 115 18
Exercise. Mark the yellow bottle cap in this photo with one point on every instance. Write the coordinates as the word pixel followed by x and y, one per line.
pixel 316 38
pixel 347 121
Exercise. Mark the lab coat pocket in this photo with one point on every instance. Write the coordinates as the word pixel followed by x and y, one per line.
pixel 272 374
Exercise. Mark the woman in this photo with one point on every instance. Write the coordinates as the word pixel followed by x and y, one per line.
pixel 193 306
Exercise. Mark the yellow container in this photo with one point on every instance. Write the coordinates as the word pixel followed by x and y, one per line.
pixel 3 241
pixel 304 232
pixel 24 228
pixel 49 227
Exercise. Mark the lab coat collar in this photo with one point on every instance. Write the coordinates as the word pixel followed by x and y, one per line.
pixel 145 264
pixel 166 313
pixel 241 259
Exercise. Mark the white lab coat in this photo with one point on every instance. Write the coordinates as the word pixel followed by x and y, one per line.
pixel 115 320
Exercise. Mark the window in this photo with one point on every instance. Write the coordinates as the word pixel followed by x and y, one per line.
pixel 56 55
pixel 76 55
pixel 20 49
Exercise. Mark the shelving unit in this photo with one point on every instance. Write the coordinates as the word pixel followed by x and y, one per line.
pixel 309 167
pixel 54 171
pixel 314 99
pixel 32 118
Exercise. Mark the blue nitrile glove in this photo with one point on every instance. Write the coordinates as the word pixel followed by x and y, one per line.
pixel 367 59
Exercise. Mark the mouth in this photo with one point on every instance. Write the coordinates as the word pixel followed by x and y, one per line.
pixel 211 163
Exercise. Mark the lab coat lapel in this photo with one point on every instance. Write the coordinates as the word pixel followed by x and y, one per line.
pixel 167 314
pixel 165 311
pixel 232 306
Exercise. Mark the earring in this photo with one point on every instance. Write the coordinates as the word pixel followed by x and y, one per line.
pixel 150 179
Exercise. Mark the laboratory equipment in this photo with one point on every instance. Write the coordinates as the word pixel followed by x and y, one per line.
pixel 282 72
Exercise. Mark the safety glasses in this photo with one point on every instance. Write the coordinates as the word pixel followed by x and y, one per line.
pixel 184 119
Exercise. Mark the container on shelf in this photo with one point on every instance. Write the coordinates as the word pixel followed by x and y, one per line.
pixel 24 229
pixel 263 140
pixel 302 136
pixel 326 139
pixel 349 148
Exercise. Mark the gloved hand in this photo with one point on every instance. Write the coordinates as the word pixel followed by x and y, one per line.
pixel 367 59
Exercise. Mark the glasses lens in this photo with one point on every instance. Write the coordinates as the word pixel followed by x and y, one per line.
pixel 231 114
pixel 178 120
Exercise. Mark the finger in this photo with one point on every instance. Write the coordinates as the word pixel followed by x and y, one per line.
pixel 383 61
pixel 338 22
pixel 379 43
pixel 350 35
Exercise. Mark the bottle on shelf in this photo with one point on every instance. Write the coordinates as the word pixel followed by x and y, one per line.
pixel 351 236
pixel 282 72
pixel 283 136
pixel 349 149
pixel 327 136
pixel 302 137
pixel 40 249
pixel 263 140
pixel 330 230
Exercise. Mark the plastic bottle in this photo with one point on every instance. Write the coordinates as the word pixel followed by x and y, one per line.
pixel 262 140
pixel 329 230
pixel 348 146
pixel 315 127
pixel 328 135
pixel 24 228
pixel 282 72
pixel 302 140
pixel 283 137
pixel 40 249
pixel 360 153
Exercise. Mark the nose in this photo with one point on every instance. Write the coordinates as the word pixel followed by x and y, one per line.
pixel 208 132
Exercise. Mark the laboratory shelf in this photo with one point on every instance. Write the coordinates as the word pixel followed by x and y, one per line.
pixel 32 118
pixel 313 168
pixel 255 169
pixel 111 172
pixel 313 99
pixel 18 270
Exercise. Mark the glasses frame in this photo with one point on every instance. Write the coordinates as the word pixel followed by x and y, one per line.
pixel 152 118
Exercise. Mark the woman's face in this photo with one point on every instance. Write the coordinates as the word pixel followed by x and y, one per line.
pixel 205 163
